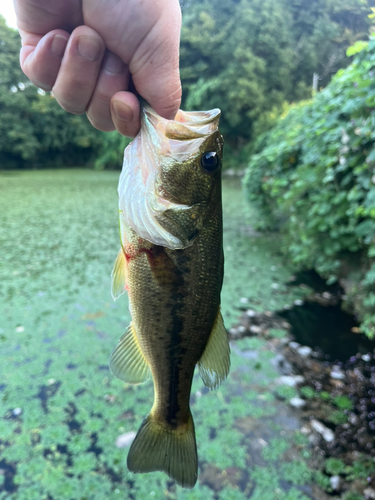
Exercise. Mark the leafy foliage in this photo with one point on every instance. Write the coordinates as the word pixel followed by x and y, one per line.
pixel 313 177
pixel 248 57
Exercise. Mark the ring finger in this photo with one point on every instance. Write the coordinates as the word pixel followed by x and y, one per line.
pixel 113 77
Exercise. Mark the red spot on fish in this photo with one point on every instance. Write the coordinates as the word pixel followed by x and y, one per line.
pixel 133 255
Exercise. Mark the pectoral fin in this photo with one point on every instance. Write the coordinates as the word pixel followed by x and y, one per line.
pixel 119 275
pixel 215 362
pixel 127 361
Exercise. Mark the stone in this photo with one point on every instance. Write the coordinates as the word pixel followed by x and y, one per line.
pixel 297 402
pixel 17 411
pixel 337 373
pixel 125 440
pixel 335 482
pixel 298 302
pixel 251 313
pixel 369 493
pixel 294 345
pixel 305 429
pixel 304 351
pixel 255 329
pixel 244 300
pixel 291 380
pixel 321 429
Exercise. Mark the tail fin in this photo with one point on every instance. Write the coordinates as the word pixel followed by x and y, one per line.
pixel 173 451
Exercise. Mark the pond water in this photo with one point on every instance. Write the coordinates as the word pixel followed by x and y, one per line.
pixel 62 411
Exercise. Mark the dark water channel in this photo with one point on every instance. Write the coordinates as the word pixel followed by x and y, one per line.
pixel 326 328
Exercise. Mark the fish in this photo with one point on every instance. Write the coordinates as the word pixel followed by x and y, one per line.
pixel 171 264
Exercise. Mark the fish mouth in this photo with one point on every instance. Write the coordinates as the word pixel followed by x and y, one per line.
pixel 186 126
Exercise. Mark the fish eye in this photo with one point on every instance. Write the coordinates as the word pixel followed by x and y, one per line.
pixel 210 161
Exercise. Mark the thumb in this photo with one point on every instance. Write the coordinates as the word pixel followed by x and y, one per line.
pixel 155 64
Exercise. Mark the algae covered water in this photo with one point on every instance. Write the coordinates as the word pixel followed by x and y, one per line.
pixel 64 418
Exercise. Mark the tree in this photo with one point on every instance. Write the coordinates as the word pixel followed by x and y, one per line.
pixel 249 56
pixel 34 129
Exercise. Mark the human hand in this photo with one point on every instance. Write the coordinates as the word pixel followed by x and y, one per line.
pixel 91 52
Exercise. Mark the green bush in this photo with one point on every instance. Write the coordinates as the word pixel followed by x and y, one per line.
pixel 313 178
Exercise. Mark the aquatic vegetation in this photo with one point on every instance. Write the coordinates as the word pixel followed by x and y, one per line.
pixel 61 409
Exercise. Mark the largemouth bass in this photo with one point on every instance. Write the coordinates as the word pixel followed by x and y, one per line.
pixel 171 264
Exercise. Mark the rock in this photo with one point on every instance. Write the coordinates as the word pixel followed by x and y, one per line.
pixel 305 430
pixel 321 429
pixel 366 357
pixel 353 419
pixel 304 351
pixel 369 493
pixel 244 300
pixel 251 313
pixel 294 345
pixel 335 482
pixel 291 380
pixel 241 329
pixel 337 373
pixel 255 329
pixel 298 302
pixel 124 440
pixel 17 411
pixel 297 402
pixel 281 364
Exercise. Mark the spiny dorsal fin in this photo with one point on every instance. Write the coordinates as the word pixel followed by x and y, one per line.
pixel 174 451
pixel 215 361
pixel 127 361
pixel 119 275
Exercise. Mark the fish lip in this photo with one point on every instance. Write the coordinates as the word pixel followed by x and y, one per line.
pixel 186 125
pixel 208 116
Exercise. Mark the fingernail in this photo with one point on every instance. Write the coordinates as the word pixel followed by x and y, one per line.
pixel 58 45
pixel 88 47
pixel 122 111
pixel 113 64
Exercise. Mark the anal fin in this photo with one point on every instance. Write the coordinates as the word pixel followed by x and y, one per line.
pixel 215 361
pixel 127 361
pixel 119 275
